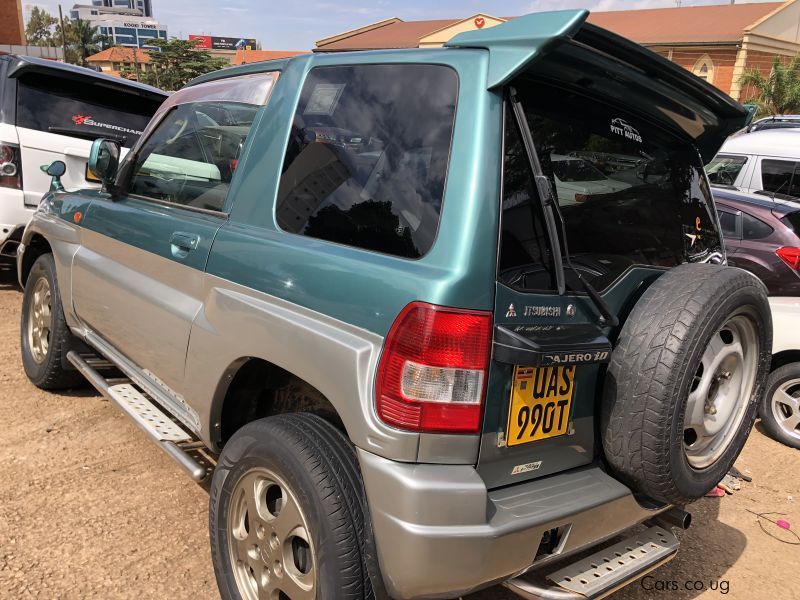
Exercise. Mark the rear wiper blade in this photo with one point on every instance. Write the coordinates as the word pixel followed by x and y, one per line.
pixel 543 188
pixel 550 208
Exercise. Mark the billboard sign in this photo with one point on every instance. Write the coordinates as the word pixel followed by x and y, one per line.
pixel 209 42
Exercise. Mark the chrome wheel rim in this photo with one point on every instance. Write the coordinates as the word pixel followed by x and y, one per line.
pixel 271 550
pixel 40 320
pixel 721 391
pixel 785 406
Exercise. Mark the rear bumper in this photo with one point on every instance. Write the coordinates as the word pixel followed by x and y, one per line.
pixel 785 323
pixel 440 533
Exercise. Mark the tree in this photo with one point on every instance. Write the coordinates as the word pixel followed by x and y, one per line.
pixel 85 39
pixel 178 62
pixel 41 29
pixel 779 93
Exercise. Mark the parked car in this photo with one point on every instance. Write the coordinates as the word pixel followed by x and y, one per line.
pixel 760 161
pixel 53 111
pixel 774 122
pixel 419 384
pixel 763 236
pixel 577 180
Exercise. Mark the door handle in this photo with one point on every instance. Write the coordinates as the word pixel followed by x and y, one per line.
pixel 182 243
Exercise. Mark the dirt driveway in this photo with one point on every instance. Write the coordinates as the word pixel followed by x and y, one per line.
pixel 90 509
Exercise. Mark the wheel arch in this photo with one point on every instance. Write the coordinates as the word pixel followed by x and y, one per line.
pixel 35 247
pixel 783 358
pixel 253 388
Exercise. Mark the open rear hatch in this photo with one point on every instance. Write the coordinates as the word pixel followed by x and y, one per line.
pixel 603 189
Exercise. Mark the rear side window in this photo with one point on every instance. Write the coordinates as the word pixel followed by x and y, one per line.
pixel 367 158
pixel 723 170
pixel 729 223
pixel 754 229
pixel 780 176
pixel 792 221
pixel 66 107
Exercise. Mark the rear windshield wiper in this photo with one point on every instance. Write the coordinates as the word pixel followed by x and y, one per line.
pixel 550 208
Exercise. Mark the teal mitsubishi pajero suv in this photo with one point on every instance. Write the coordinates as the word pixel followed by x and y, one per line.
pixel 440 319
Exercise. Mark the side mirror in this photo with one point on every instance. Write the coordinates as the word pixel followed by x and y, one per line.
pixel 55 169
pixel 104 160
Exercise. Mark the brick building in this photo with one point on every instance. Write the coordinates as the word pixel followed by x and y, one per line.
pixel 717 43
pixel 12 28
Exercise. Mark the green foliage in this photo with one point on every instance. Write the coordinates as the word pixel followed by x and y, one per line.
pixel 777 94
pixel 41 29
pixel 178 62
pixel 84 39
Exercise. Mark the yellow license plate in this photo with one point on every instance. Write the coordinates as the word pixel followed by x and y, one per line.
pixel 541 399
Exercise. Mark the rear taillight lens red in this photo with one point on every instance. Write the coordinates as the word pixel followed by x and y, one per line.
pixel 10 167
pixel 432 374
pixel 791 256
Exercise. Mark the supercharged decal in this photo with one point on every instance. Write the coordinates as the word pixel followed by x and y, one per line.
pixel 90 122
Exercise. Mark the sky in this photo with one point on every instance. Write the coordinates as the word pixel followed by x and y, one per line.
pixel 297 25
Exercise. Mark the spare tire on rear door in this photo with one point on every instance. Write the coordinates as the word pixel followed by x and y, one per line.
pixel 685 380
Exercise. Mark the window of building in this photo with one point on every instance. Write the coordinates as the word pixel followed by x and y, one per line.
pixel 367 157
pixel 704 68
pixel 754 229
pixel 779 176
pixel 116 66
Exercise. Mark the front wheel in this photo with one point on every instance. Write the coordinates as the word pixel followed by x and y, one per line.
pixel 45 335
pixel 286 514
pixel 780 409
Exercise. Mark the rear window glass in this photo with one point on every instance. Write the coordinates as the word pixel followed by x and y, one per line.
pixel 66 107
pixel 728 223
pixel 367 157
pixel 779 176
pixel 629 194
pixel 723 170
pixel 792 221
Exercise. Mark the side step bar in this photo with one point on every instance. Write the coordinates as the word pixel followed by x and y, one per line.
pixel 149 417
pixel 603 572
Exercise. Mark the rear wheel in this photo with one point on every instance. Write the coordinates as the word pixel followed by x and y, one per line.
pixel 780 410
pixel 685 381
pixel 45 336
pixel 287 513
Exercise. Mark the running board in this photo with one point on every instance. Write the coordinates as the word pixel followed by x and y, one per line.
pixel 159 427
pixel 603 572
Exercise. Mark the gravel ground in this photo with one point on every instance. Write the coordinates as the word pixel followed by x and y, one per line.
pixel 90 509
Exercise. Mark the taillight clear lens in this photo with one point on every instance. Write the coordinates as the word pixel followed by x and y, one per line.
pixel 433 370
pixel 791 256
pixel 10 167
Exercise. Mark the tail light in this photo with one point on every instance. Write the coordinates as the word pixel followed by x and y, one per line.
pixel 10 167
pixel 432 374
pixel 791 256
pixel 581 197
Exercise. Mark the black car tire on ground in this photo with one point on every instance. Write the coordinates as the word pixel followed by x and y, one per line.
pixel 319 466
pixel 658 362
pixel 50 372
pixel 785 375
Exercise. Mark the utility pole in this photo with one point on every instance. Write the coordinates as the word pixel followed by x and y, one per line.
pixel 63 33
pixel 136 62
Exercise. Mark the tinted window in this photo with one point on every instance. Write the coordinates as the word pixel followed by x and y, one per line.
pixel 792 221
pixel 59 105
pixel 190 157
pixel 634 197
pixel 367 158
pixel 728 222
pixel 723 170
pixel 776 176
pixel 754 229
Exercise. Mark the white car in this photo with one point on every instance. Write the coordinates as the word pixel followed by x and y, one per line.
pixel 767 161
pixel 578 179
pixel 52 111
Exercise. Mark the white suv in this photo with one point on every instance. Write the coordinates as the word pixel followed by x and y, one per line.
pixel 53 111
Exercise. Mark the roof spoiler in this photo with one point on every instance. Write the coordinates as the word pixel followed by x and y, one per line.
pixel 566 48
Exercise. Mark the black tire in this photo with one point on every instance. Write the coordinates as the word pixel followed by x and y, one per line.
pixel 653 369
pixel 319 465
pixel 53 372
pixel 785 375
